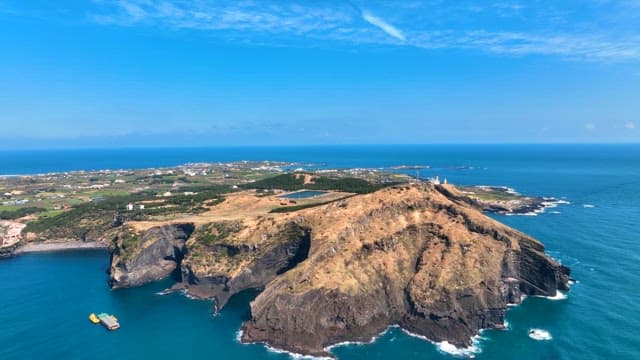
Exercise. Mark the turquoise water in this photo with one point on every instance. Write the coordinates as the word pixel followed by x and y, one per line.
pixel 45 298
pixel 303 194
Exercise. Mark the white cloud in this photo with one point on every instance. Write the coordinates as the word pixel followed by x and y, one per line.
pixel 383 25
pixel 630 125
pixel 590 126
pixel 429 24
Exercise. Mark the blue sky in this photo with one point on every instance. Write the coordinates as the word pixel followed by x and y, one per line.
pixel 192 73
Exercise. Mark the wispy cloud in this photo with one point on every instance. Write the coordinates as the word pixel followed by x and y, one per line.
pixel 630 125
pixel 383 25
pixel 6 9
pixel 548 29
pixel 590 126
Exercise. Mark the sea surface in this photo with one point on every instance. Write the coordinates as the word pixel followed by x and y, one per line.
pixel 45 298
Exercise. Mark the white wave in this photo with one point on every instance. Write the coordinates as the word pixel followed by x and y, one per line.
pixel 555 212
pixel 450 349
pixel 558 296
pixel 296 355
pixel 186 294
pixel 511 191
pixel 531 213
pixel 443 346
pixel 564 202
pixel 549 203
pixel 539 334
pixel 588 206
pixel 373 339
pixel 281 351
pixel 446 347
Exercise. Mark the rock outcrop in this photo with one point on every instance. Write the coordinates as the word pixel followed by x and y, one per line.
pixel 410 255
pixel 230 267
pixel 155 256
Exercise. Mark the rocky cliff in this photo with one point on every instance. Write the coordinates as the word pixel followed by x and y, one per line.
pixel 158 253
pixel 411 255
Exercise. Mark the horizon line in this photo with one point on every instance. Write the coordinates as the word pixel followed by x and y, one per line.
pixel 315 145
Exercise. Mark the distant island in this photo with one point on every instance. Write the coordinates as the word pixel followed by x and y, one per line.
pixel 339 255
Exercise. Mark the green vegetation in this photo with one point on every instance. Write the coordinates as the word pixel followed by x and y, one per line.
pixel 490 194
pixel 111 205
pixel 75 221
pixel 130 240
pixel 19 212
pixel 213 233
pixel 293 182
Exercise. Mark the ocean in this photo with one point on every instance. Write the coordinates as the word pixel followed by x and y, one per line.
pixel 45 298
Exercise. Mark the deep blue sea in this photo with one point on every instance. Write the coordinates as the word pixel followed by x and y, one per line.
pixel 45 298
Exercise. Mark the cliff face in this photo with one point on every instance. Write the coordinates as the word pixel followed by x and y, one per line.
pixel 408 255
pixel 229 266
pixel 156 255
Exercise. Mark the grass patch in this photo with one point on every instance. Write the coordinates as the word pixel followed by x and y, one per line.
pixel 19 212
pixel 286 209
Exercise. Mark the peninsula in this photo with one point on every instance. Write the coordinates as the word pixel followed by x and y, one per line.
pixel 338 255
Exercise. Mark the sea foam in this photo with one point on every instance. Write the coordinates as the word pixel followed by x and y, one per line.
pixel 539 334
pixel 238 338
pixel 558 296
pixel 448 348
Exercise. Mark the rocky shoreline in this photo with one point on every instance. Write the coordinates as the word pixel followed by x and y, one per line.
pixel 60 246
pixel 503 200
pixel 34 247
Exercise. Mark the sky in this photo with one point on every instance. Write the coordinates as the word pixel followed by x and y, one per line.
pixel 216 73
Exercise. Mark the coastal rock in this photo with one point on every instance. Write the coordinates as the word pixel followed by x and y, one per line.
pixel 409 256
pixel 155 256
pixel 10 237
pixel 418 256
pixel 498 199
pixel 247 266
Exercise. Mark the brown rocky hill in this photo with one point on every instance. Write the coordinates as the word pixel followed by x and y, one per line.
pixel 410 255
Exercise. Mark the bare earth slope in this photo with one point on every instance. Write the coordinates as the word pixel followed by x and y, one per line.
pixel 411 255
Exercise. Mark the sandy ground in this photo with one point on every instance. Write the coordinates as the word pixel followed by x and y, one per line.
pixel 237 206
pixel 61 246
pixel 10 232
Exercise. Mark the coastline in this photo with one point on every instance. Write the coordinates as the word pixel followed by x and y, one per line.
pixel 59 246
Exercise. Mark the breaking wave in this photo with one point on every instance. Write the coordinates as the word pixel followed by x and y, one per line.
pixel 539 334
pixel 448 348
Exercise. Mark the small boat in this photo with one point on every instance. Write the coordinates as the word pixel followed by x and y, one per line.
pixel 109 321
pixel 94 319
